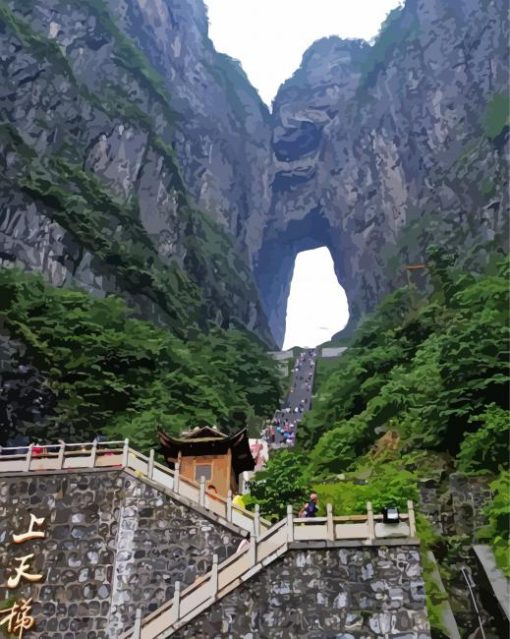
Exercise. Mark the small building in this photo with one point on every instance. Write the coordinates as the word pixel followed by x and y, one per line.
pixel 206 452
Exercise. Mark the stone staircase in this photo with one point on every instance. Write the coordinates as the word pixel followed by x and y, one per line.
pixel 266 543
pixel 261 551
pixel 116 455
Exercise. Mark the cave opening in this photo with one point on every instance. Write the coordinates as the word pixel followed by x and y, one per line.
pixel 317 306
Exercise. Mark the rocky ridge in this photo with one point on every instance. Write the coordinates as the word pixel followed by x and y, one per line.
pixel 137 159
pixel 120 125
pixel 380 151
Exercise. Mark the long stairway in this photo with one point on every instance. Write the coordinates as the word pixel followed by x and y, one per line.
pixel 290 532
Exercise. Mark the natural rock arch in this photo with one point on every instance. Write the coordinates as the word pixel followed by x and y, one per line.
pixel 275 262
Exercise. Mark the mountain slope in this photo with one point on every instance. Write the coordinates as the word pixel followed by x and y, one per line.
pixel 98 147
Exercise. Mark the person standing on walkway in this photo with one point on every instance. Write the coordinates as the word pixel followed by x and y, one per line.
pixel 311 508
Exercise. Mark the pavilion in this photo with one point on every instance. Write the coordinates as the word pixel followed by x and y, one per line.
pixel 206 452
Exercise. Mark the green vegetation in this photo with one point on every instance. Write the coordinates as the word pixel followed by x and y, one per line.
pixel 323 369
pixel 394 31
pixel 497 115
pixel 378 483
pixel 112 374
pixel 423 389
pixel 280 483
pixel 498 512
pixel 486 448
pixel 428 367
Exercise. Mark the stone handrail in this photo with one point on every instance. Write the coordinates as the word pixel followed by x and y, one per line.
pixel 118 454
pixel 261 551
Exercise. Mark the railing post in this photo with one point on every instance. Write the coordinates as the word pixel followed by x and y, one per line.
pixel 256 522
pixel 125 453
pixel 93 454
pixel 412 519
pixel 252 551
pixel 176 477
pixel 370 521
pixel 28 458
pixel 330 524
pixel 137 629
pixel 201 494
pixel 61 455
pixel 214 576
pixel 174 611
pixel 150 467
pixel 229 505
pixel 290 524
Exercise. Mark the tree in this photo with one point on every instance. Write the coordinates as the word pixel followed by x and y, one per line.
pixel 95 369
pixel 281 482
pixel 498 512
pixel 487 447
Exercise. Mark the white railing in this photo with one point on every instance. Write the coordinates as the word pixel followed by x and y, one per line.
pixel 259 552
pixel 118 454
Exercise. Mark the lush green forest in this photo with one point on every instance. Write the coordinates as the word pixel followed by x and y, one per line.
pixel 101 371
pixel 422 392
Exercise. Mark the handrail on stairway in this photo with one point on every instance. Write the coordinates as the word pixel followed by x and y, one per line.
pixel 118 454
pixel 223 578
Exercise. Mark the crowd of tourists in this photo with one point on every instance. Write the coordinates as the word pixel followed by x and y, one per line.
pixel 281 431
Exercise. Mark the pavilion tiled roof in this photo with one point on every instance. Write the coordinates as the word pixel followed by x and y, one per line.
pixel 209 441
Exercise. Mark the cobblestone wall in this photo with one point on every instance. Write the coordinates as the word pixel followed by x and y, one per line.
pixel 112 543
pixel 343 593
pixel 160 542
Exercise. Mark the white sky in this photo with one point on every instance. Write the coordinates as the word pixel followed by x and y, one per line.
pixel 269 37
pixel 317 306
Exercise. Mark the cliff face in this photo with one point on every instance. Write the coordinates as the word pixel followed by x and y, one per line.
pixel 382 151
pixel 120 122
pixel 136 159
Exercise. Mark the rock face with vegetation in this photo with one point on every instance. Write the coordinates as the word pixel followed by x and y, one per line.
pixel 138 160
pixel 379 150
pixel 131 154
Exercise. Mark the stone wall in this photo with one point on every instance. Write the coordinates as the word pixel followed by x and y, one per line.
pixel 470 496
pixel 454 504
pixel 340 593
pixel 112 543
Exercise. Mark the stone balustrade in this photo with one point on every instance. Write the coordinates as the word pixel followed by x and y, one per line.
pixel 118 454
pixel 262 550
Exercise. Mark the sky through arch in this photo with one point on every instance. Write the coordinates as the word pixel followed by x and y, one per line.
pixel 269 37
pixel 317 307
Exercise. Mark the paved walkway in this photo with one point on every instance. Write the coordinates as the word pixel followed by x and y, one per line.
pixel 297 402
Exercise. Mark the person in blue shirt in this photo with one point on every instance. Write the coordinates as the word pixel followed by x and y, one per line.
pixel 311 508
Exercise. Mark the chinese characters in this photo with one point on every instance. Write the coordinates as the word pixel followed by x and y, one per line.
pixel 17 619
